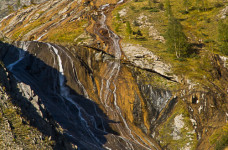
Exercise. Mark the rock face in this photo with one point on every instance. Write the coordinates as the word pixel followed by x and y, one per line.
pixel 97 93
pixel 58 84
pixel 25 122
pixel 8 6
pixel 144 58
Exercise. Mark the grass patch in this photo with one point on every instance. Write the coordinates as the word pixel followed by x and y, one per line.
pixel 23 133
pixel 67 33
pixel 187 136
pixel 220 138
pixel 199 25
pixel 22 31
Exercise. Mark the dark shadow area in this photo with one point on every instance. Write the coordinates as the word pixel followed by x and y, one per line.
pixel 165 113
pixel 194 49
pixel 84 123
pixel 194 99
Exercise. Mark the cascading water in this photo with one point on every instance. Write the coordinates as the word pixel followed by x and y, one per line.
pixel 64 91
pixel 47 68
pixel 111 76
pixel 21 55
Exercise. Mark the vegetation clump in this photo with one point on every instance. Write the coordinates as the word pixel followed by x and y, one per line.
pixel 220 138
pixel 223 37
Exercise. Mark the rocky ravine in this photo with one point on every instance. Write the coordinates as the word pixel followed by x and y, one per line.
pixel 100 102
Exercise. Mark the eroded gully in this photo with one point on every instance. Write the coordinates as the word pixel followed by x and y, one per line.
pixel 110 77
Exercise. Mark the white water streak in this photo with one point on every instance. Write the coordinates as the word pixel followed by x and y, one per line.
pixel 5 18
pixel 115 72
pixel 41 36
pixel 77 80
pixel 21 55
pixel 85 94
pixel 121 1
pixel 64 91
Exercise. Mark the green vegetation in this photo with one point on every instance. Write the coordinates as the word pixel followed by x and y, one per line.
pixel 223 37
pixel 168 9
pixel 176 40
pixel 197 26
pixel 220 138
pixel 186 4
pixel 22 31
pixel 18 3
pixel 10 8
pixel 185 138
pixel 128 29
pixel 67 34
pixel 155 80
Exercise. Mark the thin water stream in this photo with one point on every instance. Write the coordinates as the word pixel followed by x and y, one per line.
pixel 94 117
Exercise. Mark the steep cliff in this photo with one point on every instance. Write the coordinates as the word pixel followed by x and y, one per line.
pixel 99 73
pixel 25 123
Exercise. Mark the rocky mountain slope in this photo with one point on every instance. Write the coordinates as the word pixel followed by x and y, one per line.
pixel 25 124
pixel 97 75
pixel 9 6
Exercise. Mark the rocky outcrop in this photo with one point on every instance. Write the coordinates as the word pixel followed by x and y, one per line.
pixel 97 97
pixel 145 59
pixel 25 121
pixel 223 13
pixel 7 6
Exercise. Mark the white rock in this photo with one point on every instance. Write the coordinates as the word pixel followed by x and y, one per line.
pixel 223 13
pixel 178 125
pixel 144 58
pixel 122 12
pixel 155 34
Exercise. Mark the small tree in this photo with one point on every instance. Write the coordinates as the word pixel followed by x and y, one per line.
pixel 186 4
pixel 161 6
pixel 168 8
pixel 128 29
pixel 223 37
pixel 176 41
pixel 118 16
pixel 202 5
pixel 150 3
pixel 205 5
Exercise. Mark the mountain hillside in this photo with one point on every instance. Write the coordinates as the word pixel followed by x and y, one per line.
pixel 128 74
pixel 9 6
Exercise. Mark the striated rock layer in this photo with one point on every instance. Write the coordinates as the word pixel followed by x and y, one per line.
pixel 104 97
